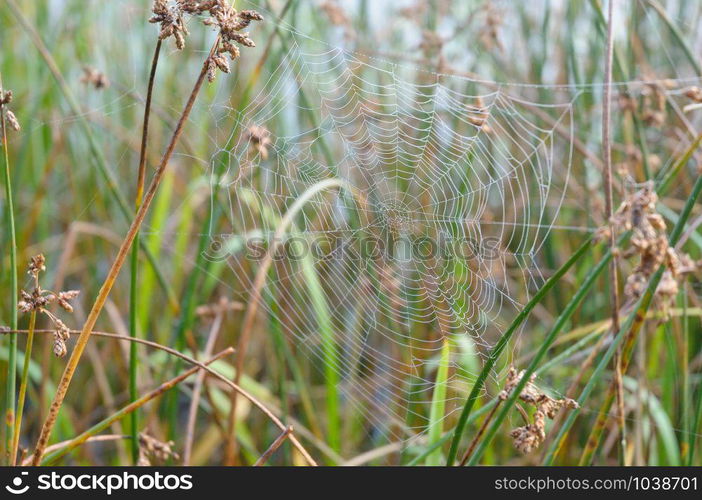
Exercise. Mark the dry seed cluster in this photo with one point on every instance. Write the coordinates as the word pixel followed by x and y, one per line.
pixel 489 33
pixel 38 300
pixel 260 139
pixel 150 447
pixel 10 118
pixel 694 94
pixel 94 77
pixel 528 437
pixel 649 242
pixel 230 23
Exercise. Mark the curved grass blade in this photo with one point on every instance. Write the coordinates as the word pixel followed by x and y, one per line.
pixel 502 343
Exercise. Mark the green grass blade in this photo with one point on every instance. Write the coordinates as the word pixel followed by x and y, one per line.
pixel 502 343
pixel 639 312
pixel 546 344
pixel 11 375
pixel 438 403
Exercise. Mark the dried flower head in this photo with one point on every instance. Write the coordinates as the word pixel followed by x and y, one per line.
pixel 230 24
pixel 5 97
pixel 627 102
pixel 170 19
pixel 649 242
pixel 653 110
pixel 94 77
pixel 170 16
pixel 221 307
pixel 478 115
pixel 37 264
pixel 260 139
pixel 12 121
pixel 39 299
pixel 150 447
pixel 9 116
pixel 488 35
pixel 61 336
pixel 694 94
pixel 335 13
pixel 529 437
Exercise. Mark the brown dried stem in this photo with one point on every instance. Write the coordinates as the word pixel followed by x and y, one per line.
pixel 273 447
pixel 480 433
pixel 197 390
pixel 258 404
pixel 105 423
pixel 255 298
pixel 93 439
pixel 114 270
pixel 607 152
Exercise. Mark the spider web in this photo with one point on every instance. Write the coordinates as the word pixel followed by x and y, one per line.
pixel 428 198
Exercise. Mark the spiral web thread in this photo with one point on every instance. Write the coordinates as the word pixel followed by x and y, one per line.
pixel 418 156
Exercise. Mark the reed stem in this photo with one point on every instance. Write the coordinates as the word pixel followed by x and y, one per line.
pixel 134 263
pixel 23 387
pixel 11 379
pixel 109 282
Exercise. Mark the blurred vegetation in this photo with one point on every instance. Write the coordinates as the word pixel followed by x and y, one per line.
pixel 74 165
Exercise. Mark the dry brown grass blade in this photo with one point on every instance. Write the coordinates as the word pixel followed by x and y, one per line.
pixel 197 390
pixel 273 447
pixel 258 404
pixel 166 386
pixel 609 210
pixel 255 298
pixel 114 272
pixel 93 439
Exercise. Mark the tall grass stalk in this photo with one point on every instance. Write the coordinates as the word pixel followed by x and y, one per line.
pixel 129 409
pixel 252 309
pixel 11 375
pixel 609 202
pixel 226 381
pixel 98 155
pixel 23 387
pixel 116 267
pixel 502 343
pixel 134 264
pixel 633 324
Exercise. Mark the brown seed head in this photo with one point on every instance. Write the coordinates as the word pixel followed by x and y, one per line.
pixel 149 446
pixel 94 77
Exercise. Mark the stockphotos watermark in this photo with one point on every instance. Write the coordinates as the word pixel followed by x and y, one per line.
pixel 357 246
pixel 109 483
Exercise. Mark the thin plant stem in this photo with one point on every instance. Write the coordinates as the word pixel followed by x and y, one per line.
pixel 273 447
pixel 613 266
pixel 677 34
pixel 258 404
pixel 130 408
pixel 197 390
pixel 98 155
pixel 502 343
pixel 480 433
pixel 23 387
pixel 255 298
pixel 11 379
pixel 114 270
pixel 134 264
